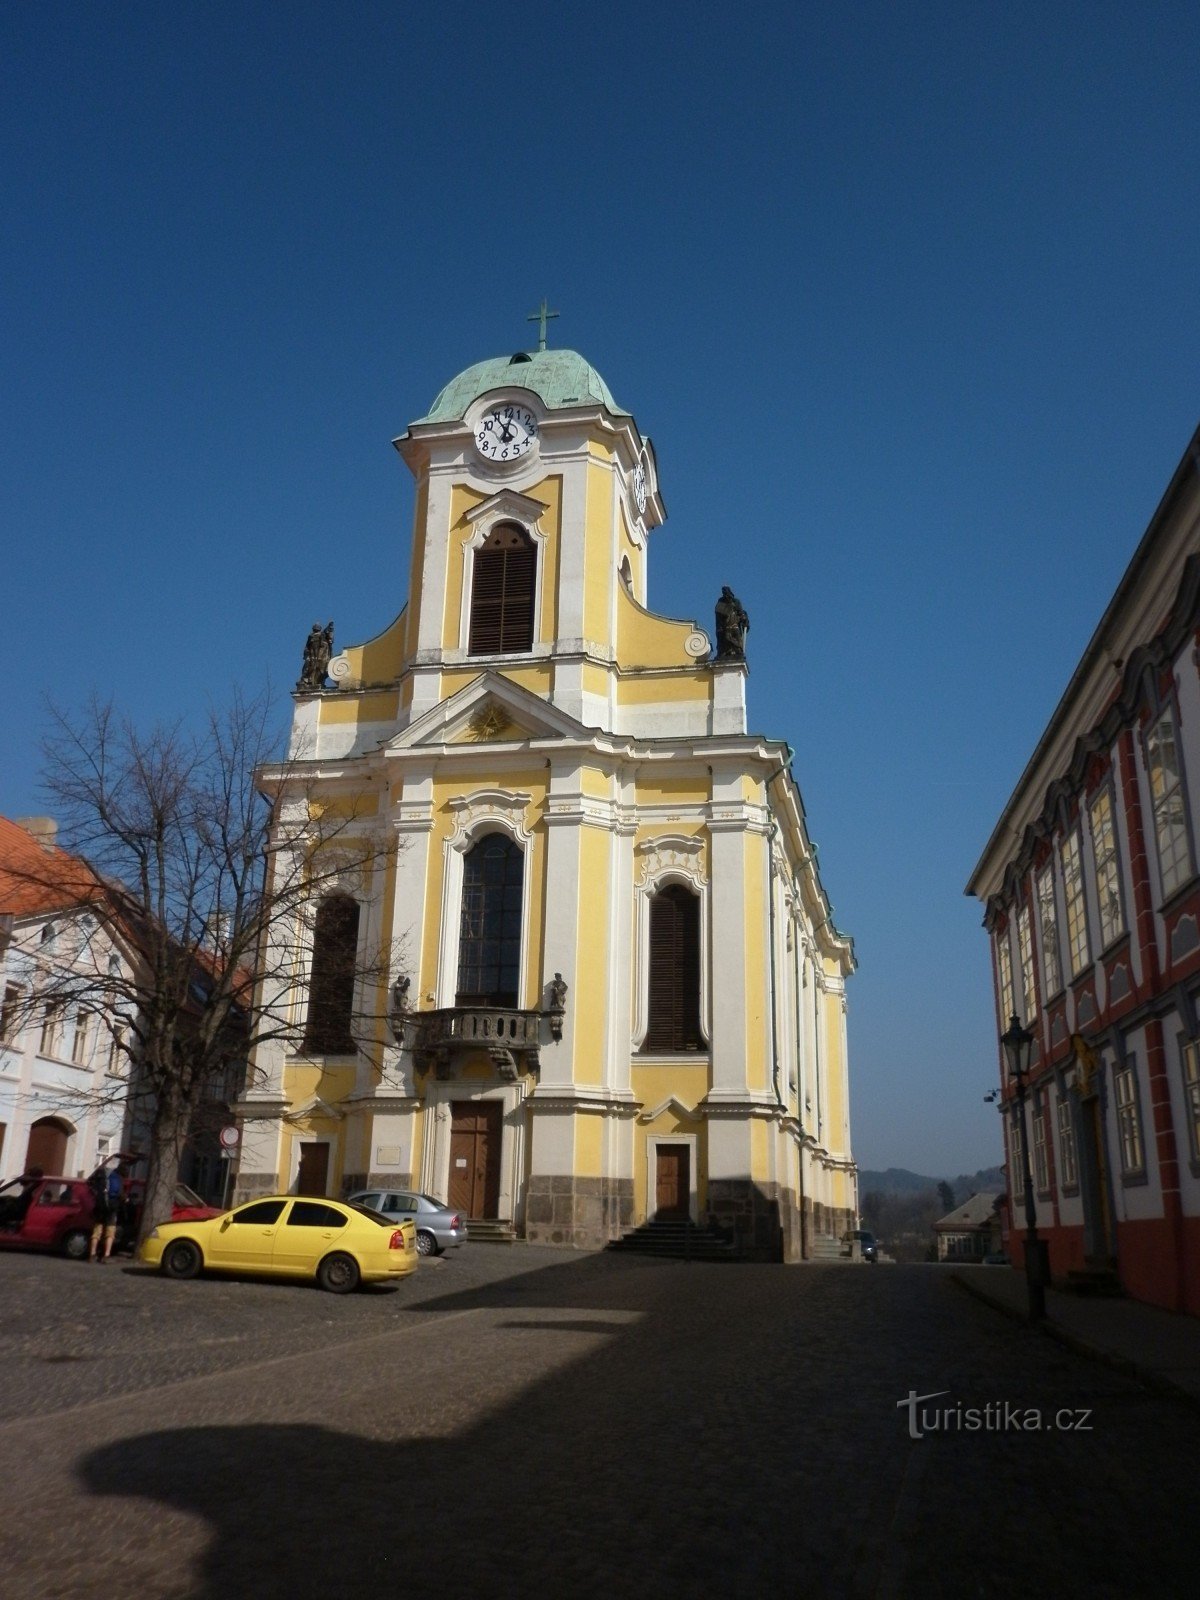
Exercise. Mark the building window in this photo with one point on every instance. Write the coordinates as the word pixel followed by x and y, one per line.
pixel 1191 1094
pixel 1025 946
pixel 489 941
pixel 1067 1165
pixel 1041 1165
pixel 79 1044
pixel 51 1028
pixel 1166 799
pixel 1016 1161
pixel 1008 1004
pixel 1108 871
pixel 1129 1123
pixel 1048 919
pixel 9 1011
pixel 1077 934
pixel 116 1054
pixel 502 593
pixel 331 989
pixel 674 1009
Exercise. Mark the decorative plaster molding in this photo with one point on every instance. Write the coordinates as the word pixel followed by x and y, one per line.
pixel 671 855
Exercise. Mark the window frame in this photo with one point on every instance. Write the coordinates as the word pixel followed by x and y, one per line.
pixel 685 1024
pixel 1041 1156
pixel 504 999
pixel 318 1031
pixel 1068 1156
pixel 1189 1068
pixel 1004 968
pixel 1127 1121
pixel 1025 956
pixel 1106 864
pixel 1151 748
pixel 1048 929
pixel 1070 856
pixel 508 618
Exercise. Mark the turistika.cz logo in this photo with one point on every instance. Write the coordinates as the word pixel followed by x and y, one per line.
pixel 998 1416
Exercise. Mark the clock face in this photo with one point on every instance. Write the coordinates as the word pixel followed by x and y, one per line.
pixel 506 432
pixel 639 487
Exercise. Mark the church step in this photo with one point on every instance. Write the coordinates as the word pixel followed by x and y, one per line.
pixel 676 1239
pixel 490 1230
pixel 825 1247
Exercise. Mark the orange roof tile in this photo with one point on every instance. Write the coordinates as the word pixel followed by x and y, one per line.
pixel 34 879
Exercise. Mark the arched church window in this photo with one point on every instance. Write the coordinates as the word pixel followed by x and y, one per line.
pixel 627 574
pixel 502 589
pixel 489 947
pixel 331 988
pixel 674 1010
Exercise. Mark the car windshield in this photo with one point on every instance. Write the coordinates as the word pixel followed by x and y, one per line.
pixel 187 1197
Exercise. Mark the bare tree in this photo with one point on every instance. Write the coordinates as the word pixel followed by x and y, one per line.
pixel 206 891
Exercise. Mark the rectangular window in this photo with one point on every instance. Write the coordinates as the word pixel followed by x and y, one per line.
pixel 1166 799
pixel 1008 1004
pixel 1129 1124
pixel 1108 870
pixel 51 1028
pixel 8 1012
pixel 1016 1168
pixel 1048 919
pixel 1067 1165
pixel 1077 934
pixel 116 1055
pixel 1041 1165
pixel 1191 1094
pixel 79 1044
pixel 1025 946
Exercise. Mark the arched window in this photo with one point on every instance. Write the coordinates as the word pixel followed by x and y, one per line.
pixel 502 593
pixel 674 971
pixel 331 988
pixel 489 945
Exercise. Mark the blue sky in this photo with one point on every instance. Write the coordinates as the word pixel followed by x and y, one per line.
pixel 905 295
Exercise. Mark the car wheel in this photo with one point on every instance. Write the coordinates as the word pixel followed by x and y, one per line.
pixel 181 1259
pixel 426 1244
pixel 338 1274
pixel 75 1244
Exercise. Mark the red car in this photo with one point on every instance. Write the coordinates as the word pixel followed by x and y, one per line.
pixel 53 1213
pixel 46 1213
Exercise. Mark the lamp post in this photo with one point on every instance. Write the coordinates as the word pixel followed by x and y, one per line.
pixel 1018 1043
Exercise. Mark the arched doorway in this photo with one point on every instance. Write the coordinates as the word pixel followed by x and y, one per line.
pixel 48 1141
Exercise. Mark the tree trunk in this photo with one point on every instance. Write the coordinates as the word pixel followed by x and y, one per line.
pixel 168 1135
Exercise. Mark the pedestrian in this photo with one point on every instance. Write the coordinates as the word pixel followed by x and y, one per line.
pixel 108 1188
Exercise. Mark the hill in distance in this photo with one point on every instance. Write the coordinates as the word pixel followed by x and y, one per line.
pixel 899 1180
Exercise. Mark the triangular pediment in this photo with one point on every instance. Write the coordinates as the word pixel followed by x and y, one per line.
pixel 314 1106
pixel 507 503
pixel 673 1104
pixel 491 710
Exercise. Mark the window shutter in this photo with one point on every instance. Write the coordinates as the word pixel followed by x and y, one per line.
pixel 331 988
pixel 674 971
pixel 502 591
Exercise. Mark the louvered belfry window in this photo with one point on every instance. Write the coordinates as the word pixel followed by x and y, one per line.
pixel 502 593
pixel 489 944
pixel 331 988
pixel 674 971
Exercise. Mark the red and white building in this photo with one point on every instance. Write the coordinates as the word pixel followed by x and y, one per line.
pixel 1091 888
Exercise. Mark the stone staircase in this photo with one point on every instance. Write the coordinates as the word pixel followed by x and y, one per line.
pixel 490 1230
pixel 677 1239
pixel 826 1247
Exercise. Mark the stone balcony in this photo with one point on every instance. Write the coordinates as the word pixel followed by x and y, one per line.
pixel 512 1038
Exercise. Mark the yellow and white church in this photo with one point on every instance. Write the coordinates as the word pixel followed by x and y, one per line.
pixel 616 991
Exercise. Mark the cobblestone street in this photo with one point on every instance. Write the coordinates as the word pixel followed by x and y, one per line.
pixel 515 1420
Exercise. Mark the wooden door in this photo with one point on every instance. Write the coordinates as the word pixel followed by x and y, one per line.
pixel 672 1163
pixel 475 1135
pixel 312 1176
pixel 47 1146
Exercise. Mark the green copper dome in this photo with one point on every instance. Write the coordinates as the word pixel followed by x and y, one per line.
pixel 559 378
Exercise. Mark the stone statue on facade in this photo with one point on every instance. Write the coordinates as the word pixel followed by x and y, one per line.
pixel 318 652
pixel 732 627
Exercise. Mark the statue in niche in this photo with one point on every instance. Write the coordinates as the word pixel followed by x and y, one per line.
pixel 558 993
pixel 732 627
pixel 318 652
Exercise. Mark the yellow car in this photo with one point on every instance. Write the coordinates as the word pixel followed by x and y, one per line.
pixel 292 1236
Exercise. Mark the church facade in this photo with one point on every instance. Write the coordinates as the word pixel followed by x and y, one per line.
pixel 613 988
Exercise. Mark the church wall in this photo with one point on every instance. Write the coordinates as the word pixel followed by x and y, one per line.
pixel 591 1014
pixel 598 556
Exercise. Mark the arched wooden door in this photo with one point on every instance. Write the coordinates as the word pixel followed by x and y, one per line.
pixel 48 1140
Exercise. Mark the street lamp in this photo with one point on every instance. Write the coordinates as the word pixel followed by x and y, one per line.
pixel 1018 1043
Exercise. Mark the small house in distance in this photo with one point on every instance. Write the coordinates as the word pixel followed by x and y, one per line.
pixel 969 1232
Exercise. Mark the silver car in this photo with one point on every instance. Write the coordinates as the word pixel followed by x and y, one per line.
pixel 438 1227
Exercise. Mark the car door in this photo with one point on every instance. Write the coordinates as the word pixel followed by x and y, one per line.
pixel 310 1230
pixel 53 1207
pixel 400 1207
pixel 245 1239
